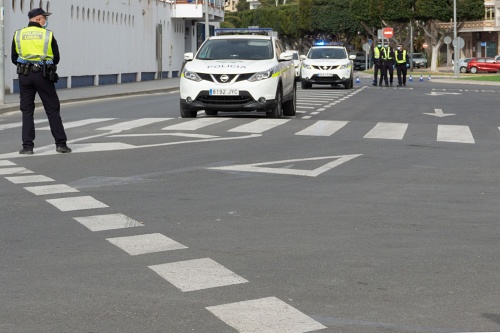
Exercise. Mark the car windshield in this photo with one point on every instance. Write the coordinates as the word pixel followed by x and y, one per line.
pixel 218 49
pixel 417 55
pixel 327 53
pixel 295 56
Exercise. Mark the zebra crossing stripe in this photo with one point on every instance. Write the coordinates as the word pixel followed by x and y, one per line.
pixel 197 274
pixel 51 189
pixel 76 203
pixel 454 133
pixel 4 163
pixel 29 179
pixel 14 170
pixel 268 314
pixel 323 128
pixel 128 125
pixel 79 123
pixel 142 244
pixel 195 124
pixel 14 125
pixel 259 126
pixel 107 222
pixel 390 131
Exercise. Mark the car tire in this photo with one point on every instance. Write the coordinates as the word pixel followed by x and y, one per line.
pixel 277 110
pixel 463 69
pixel 185 113
pixel 211 112
pixel 305 85
pixel 290 107
pixel 349 84
pixel 473 70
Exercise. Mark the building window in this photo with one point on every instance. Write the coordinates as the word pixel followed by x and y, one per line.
pixel 489 13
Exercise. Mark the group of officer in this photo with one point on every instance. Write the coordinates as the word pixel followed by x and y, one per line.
pixel 385 59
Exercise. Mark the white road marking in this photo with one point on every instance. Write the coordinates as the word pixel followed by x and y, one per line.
pixel 187 135
pixel 454 133
pixel 256 167
pixel 142 244
pixel 78 123
pixel 107 222
pixel 305 107
pixel 197 274
pixel 4 163
pixel 128 125
pixel 14 170
pixel 51 189
pixel 76 203
pixel 29 179
pixel 306 117
pixel 265 315
pixel 259 126
pixel 14 125
pixel 390 131
pixel 195 124
pixel 323 128
pixel 439 113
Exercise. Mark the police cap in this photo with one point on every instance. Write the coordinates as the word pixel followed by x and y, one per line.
pixel 36 12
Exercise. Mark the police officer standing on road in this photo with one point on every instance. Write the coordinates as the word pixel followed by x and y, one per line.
pixel 389 63
pixel 384 60
pixel 401 65
pixel 35 53
pixel 377 59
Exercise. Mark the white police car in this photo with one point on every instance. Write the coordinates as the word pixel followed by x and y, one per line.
pixel 239 73
pixel 327 65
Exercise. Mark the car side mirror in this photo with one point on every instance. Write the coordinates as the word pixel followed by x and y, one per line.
pixel 188 56
pixel 352 57
pixel 285 56
pixel 303 57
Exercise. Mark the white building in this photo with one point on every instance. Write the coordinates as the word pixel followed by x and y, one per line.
pixel 115 41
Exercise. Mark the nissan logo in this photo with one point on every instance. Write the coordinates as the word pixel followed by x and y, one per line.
pixel 224 78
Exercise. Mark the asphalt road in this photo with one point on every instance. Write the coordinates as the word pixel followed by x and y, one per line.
pixel 373 210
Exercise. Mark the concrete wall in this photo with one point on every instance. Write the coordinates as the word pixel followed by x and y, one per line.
pixel 105 41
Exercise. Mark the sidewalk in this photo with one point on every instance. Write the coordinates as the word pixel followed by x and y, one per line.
pixel 94 92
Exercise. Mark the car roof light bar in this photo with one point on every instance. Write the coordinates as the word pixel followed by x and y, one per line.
pixel 245 31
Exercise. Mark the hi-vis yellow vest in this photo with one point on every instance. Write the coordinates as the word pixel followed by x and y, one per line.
pixel 34 44
pixel 376 53
pixel 403 60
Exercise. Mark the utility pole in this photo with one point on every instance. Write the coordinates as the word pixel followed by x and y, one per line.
pixel 207 27
pixel 2 55
pixel 455 36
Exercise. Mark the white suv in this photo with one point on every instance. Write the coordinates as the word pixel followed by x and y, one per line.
pixel 238 73
pixel 327 65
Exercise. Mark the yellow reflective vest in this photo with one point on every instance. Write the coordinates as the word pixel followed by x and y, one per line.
pixel 34 44
pixel 400 61
pixel 376 53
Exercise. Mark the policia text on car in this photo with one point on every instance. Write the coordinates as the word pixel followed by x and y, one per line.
pixel 36 54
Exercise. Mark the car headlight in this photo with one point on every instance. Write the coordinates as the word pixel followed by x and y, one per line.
pixel 192 76
pixel 306 66
pixel 344 66
pixel 261 75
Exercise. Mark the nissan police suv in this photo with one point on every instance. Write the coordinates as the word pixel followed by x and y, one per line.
pixel 245 72
pixel 327 65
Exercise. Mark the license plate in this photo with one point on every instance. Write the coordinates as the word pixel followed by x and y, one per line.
pixel 224 92
pixel 325 75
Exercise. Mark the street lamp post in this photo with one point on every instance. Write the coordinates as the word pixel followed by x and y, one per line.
pixel 455 39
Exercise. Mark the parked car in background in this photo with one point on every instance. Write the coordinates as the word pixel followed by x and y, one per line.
pixel 477 65
pixel 497 58
pixel 360 61
pixel 462 64
pixel 419 60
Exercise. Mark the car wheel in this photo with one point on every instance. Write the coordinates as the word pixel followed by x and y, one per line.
pixel 463 69
pixel 211 112
pixel 277 110
pixel 290 106
pixel 349 84
pixel 185 113
pixel 473 70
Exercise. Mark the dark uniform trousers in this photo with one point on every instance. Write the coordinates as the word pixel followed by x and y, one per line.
pixel 390 70
pixel 29 85
pixel 383 72
pixel 401 72
pixel 376 69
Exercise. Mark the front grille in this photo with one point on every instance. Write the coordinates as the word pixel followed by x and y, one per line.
pixel 325 68
pixel 224 100
pixel 216 77
pixel 325 79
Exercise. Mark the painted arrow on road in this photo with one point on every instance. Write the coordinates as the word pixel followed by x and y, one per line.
pixel 439 113
pixel 259 167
